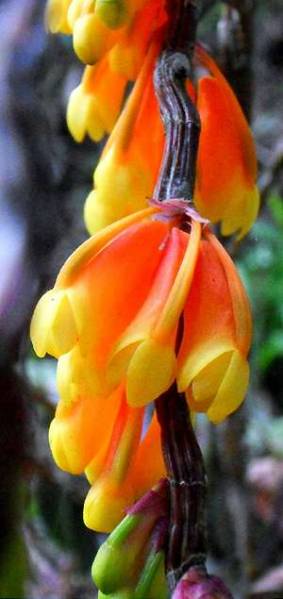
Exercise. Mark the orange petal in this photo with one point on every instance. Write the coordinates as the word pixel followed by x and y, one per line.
pixel 239 299
pixel 226 146
pixel 209 326
pixel 76 433
pixel 148 467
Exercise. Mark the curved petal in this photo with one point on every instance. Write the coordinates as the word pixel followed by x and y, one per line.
pixel 127 170
pixel 232 389
pixel 143 324
pixel 53 327
pixel 239 299
pixel 91 109
pixel 209 326
pixel 56 16
pixel 112 492
pixel 226 146
pixel 76 433
pixel 148 467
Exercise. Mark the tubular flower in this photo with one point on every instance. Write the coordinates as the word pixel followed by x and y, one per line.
pixel 91 110
pixel 226 168
pixel 97 26
pixel 103 436
pixel 128 168
pixel 121 296
pixel 130 164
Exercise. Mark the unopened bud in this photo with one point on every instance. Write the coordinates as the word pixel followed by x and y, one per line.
pixel 198 584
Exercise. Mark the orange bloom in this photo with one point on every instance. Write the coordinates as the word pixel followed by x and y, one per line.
pixel 131 161
pixel 91 109
pixel 226 169
pixel 126 26
pixel 102 435
pixel 129 165
pixel 121 296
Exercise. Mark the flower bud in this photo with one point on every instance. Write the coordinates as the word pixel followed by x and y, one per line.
pixel 132 559
pixel 197 584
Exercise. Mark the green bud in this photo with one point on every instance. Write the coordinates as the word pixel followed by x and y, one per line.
pixel 113 13
pixel 123 594
pixel 152 583
pixel 115 563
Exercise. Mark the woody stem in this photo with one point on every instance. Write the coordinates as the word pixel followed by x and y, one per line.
pixel 187 484
pixel 183 459
pixel 180 117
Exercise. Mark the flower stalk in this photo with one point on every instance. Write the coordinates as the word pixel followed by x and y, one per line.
pixel 186 474
pixel 179 115
pixel 182 455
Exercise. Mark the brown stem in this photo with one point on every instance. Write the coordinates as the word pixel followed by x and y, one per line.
pixel 183 459
pixel 182 126
pixel 180 117
pixel 186 474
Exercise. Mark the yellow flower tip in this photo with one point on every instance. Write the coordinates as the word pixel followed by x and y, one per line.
pixel 65 454
pixel 216 380
pixel 53 327
pixel 113 13
pixel 120 190
pixel 96 214
pixel 83 117
pixel 241 219
pixel 150 373
pixel 232 389
pixel 106 503
pixel 56 16
pixel 69 373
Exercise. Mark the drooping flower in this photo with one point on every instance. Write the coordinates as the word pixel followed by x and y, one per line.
pixel 97 27
pixel 129 165
pixel 92 110
pixel 131 161
pixel 103 436
pixel 122 296
pixel 226 190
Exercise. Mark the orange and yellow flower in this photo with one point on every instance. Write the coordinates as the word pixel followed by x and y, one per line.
pixel 124 26
pixel 226 190
pixel 129 165
pixel 127 171
pixel 125 38
pixel 119 299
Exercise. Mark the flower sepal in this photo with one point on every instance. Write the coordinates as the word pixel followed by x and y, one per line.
pixel 130 563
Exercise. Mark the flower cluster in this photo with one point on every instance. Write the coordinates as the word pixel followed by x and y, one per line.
pixel 119 41
pixel 152 298
pixel 113 318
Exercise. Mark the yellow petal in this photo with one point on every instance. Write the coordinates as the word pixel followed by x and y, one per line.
pixel 232 390
pixel 53 326
pixel 205 385
pixel 106 503
pixel 56 16
pixel 176 300
pixel 151 372
pixel 199 359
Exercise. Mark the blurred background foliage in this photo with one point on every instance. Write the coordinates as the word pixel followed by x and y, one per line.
pixel 45 551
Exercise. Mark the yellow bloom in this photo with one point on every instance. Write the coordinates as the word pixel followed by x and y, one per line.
pixel 92 110
pixel 121 296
